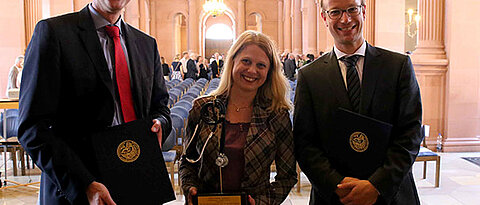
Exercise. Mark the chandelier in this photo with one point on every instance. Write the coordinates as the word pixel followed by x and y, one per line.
pixel 412 32
pixel 214 7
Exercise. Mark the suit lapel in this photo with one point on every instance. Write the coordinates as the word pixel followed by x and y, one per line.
pixel 336 81
pixel 136 73
pixel 89 36
pixel 371 71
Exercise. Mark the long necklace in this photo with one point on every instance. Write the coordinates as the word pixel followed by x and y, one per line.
pixel 240 108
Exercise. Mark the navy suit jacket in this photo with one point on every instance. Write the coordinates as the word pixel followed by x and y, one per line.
pixel 390 93
pixel 67 94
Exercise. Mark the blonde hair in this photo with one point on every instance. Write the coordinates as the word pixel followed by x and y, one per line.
pixel 275 89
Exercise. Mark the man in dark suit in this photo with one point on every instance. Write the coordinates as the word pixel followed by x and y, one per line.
pixel 371 81
pixel 290 67
pixel 78 81
pixel 192 70
pixel 216 66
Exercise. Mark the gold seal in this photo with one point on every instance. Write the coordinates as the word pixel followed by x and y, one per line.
pixel 128 151
pixel 359 141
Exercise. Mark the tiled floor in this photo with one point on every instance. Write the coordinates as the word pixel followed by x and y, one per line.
pixel 459 184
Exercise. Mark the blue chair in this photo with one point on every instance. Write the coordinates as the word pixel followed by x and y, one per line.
pixel 12 123
pixel 170 141
pixel 425 155
pixel 175 81
pixel 192 94
pixel 185 104
pixel 178 124
pixel 176 89
pixel 175 94
pixel 171 101
pixel 12 131
pixel 202 80
pixel 181 111
pixel 189 80
pixel 195 89
pixel 170 156
pixel 187 98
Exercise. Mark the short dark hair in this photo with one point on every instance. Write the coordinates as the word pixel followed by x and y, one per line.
pixel 310 56
pixel 322 4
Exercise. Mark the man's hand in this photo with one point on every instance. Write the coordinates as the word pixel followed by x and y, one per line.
pixel 342 192
pixel 157 128
pixel 97 193
pixel 191 192
pixel 362 193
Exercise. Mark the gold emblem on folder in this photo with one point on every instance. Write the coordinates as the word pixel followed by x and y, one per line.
pixel 128 151
pixel 359 141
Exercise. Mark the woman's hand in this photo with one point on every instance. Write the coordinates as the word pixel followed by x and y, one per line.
pixel 191 192
pixel 251 200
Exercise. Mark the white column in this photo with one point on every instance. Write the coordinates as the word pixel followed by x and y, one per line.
pixel 431 27
pixel 192 26
pixel 241 17
pixel 309 26
pixel 430 64
pixel 132 13
pixel 287 38
pixel 280 25
pixel 369 30
pixel 297 27
pixel 32 14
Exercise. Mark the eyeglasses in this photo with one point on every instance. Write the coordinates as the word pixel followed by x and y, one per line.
pixel 335 14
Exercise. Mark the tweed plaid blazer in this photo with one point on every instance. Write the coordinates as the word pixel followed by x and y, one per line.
pixel 269 139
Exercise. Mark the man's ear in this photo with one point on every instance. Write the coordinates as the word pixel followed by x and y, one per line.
pixel 364 11
pixel 324 17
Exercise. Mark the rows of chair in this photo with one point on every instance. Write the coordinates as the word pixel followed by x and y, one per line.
pixel 11 130
pixel 182 95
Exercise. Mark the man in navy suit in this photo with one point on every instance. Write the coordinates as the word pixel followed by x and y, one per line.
pixel 371 81
pixel 86 71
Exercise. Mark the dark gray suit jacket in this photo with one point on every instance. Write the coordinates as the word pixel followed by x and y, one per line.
pixel 289 69
pixel 67 94
pixel 390 93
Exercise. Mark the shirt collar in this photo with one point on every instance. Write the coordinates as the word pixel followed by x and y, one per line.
pixel 360 51
pixel 100 22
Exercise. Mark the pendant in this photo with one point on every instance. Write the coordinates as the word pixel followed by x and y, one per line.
pixel 222 160
pixel 238 109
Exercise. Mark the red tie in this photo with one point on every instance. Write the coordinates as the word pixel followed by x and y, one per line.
pixel 123 77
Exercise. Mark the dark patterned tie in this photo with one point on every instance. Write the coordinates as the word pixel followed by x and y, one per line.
pixel 353 81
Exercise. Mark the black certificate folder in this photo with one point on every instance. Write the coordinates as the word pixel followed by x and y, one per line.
pixel 358 143
pixel 131 164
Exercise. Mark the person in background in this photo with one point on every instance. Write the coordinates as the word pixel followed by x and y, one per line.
pixel 310 58
pixel 183 65
pixel 202 67
pixel 216 66
pixel 14 76
pixel 84 72
pixel 165 68
pixel 192 70
pixel 257 128
pixel 176 68
pixel 206 63
pixel 290 67
pixel 367 80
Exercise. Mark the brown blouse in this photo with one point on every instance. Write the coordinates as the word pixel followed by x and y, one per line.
pixel 235 139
